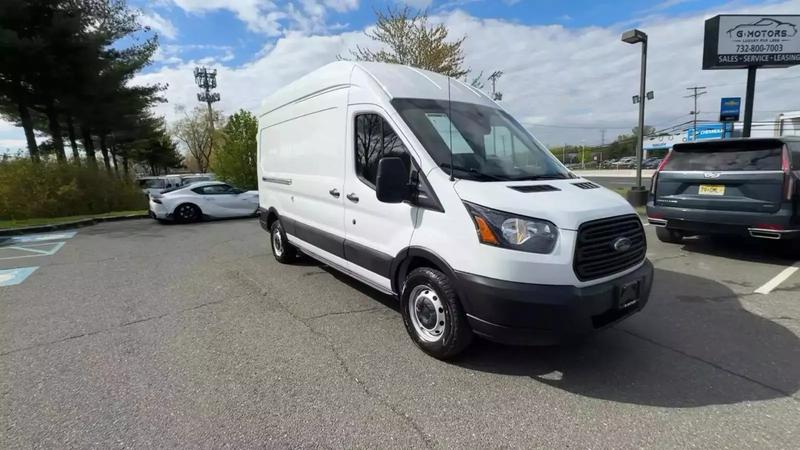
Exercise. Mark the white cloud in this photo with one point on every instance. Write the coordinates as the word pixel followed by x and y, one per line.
pixel 158 24
pixel 419 4
pixel 585 77
pixel 566 84
pixel 12 145
pixel 246 86
pixel 276 18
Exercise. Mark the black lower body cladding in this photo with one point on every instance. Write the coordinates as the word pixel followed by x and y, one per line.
pixel 535 314
pixel 785 223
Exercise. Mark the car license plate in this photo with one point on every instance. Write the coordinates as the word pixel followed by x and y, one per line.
pixel 629 294
pixel 711 189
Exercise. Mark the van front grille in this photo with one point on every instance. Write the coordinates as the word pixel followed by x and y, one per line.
pixel 607 246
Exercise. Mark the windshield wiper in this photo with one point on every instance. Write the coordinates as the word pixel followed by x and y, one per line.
pixel 472 171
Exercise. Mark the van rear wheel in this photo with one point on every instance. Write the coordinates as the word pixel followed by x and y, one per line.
pixel 282 250
pixel 669 236
pixel 433 315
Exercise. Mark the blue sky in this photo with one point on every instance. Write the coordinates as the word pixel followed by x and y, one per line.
pixel 568 77
pixel 211 31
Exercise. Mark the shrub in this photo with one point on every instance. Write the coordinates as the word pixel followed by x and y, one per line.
pixel 49 189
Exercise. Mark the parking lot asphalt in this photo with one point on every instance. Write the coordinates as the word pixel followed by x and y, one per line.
pixel 136 334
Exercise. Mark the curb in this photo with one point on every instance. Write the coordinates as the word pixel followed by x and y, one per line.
pixel 67 225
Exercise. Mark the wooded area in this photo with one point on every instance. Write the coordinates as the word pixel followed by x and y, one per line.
pixel 65 73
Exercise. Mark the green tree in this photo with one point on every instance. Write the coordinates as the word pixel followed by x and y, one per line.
pixel 64 69
pixel 235 161
pixel 409 38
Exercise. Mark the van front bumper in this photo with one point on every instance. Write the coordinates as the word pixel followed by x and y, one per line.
pixel 536 314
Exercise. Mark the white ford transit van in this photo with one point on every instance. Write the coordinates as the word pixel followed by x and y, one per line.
pixel 424 188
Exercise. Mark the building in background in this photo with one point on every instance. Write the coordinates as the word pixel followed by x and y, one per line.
pixel 784 124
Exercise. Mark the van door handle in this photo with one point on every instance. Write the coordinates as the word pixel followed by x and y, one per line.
pixel 334 192
pixel 352 197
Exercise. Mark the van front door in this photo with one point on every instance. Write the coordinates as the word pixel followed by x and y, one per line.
pixel 375 232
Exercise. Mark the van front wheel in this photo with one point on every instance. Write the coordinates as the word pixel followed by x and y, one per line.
pixel 433 315
pixel 282 250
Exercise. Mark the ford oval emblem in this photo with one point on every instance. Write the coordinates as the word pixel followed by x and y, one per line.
pixel 622 244
pixel 711 174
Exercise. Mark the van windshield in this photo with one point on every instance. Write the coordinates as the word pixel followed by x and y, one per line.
pixel 478 142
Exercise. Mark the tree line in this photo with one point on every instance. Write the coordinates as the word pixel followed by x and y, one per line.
pixel 65 73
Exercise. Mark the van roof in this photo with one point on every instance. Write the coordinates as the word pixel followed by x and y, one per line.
pixel 389 80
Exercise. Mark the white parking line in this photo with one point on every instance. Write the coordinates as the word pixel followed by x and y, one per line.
pixel 30 250
pixel 779 278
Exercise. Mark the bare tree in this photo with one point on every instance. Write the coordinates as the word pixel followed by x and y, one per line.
pixel 408 38
pixel 198 135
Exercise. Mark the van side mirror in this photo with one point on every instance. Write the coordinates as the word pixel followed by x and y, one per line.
pixel 391 184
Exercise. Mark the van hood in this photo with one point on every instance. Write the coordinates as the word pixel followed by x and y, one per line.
pixel 568 207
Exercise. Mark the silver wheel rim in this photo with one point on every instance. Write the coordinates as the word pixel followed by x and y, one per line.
pixel 277 243
pixel 427 313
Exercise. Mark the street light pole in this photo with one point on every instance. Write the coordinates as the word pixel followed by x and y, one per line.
pixel 638 195
pixel 640 138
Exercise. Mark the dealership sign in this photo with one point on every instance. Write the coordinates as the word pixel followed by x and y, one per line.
pixel 740 41
pixel 729 109
pixel 706 131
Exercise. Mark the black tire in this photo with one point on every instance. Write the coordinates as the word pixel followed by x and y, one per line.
pixel 436 293
pixel 669 236
pixel 282 250
pixel 187 213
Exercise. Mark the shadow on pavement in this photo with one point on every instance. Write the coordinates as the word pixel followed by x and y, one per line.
pixel 693 345
pixel 744 249
pixel 385 300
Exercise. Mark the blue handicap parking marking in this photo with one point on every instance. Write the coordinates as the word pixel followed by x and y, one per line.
pixel 10 277
pixel 40 237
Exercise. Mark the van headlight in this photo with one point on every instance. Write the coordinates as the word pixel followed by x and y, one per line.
pixel 507 230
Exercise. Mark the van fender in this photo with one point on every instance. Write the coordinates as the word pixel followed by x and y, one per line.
pixel 266 217
pixel 401 266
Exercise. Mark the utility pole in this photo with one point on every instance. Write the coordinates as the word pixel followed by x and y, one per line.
pixel 603 137
pixel 696 92
pixel 206 80
pixel 496 96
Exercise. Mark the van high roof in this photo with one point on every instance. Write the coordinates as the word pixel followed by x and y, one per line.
pixel 387 80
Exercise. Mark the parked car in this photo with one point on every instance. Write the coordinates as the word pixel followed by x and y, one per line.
pixel 746 187
pixel 209 199
pixel 400 186
pixel 196 178
pixel 625 163
pixel 651 163
pixel 151 185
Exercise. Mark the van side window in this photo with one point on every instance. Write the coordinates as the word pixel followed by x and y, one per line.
pixel 375 139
